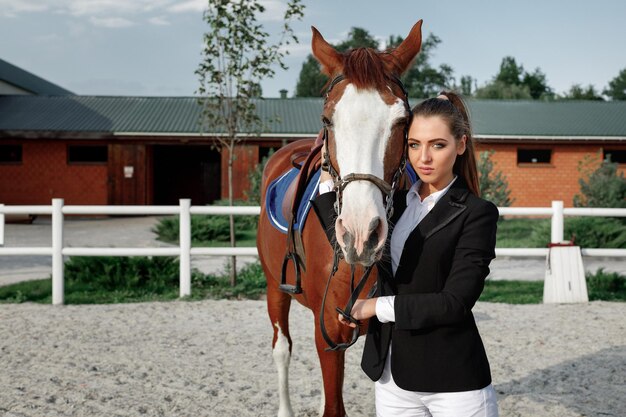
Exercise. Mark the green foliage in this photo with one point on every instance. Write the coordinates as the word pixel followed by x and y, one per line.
pixel 206 228
pixel 518 232
pixel 510 73
pixel 250 284
pixel 578 92
pixel 588 232
pixel 513 83
pixel 422 79
pixel 253 195
pixel 122 273
pixel 513 292
pixel 497 90
pixel 311 81
pixel 608 286
pixel 617 87
pixel 600 185
pixel 88 282
pixel 493 183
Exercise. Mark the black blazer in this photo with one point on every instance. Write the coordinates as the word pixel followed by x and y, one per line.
pixel 436 346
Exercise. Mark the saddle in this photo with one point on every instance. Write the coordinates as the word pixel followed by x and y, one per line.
pixel 288 199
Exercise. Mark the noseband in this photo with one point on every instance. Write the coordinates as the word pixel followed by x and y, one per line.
pixel 339 185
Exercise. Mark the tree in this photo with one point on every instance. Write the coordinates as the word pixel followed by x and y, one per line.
pixel 513 83
pixel 500 91
pixel 237 55
pixel 311 81
pixel 467 85
pixel 423 80
pixel 493 184
pixel 617 87
pixel 600 185
pixel 537 84
pixel 510 73
pixel 578 92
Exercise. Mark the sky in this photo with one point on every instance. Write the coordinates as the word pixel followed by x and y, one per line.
pixel 153 47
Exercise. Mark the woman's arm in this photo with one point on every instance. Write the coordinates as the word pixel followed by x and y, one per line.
pixel 465 282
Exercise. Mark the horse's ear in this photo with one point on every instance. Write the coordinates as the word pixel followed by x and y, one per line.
pixel 326 55
pixel 409 48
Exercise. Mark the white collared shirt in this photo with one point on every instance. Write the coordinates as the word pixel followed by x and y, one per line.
pixel 416 210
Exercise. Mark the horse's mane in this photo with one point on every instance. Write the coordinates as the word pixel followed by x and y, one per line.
pixel 367 68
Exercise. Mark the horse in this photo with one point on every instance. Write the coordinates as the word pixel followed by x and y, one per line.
pixel 365 118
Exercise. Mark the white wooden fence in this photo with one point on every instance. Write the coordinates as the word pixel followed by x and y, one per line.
pixel 184 251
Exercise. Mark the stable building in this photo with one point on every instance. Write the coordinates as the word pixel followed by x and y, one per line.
pixel 150 150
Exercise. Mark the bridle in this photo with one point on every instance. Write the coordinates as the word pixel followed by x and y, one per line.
pixel 340 184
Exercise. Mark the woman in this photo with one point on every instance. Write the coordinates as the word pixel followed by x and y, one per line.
pixel 423 348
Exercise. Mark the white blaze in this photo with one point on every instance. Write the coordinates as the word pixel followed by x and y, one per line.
pixel 362 126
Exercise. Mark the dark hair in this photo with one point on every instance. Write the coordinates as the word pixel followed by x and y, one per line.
pixel 454 112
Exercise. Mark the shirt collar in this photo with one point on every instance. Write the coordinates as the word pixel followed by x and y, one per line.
pixel 413 193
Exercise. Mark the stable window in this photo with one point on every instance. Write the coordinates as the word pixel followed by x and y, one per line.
pixel 10 154
pixel 617 155
pixel 534 156
pixel 91 154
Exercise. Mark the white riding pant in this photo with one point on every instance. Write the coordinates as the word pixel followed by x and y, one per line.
pixel 393 401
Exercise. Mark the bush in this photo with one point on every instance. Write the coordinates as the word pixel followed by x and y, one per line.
pixel 609 286
pixel 588 232
pixel 602 186
pixel 205 228
pixel 154 275
pixel 494 186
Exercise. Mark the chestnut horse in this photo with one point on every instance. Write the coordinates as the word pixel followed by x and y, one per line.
pixel 365 116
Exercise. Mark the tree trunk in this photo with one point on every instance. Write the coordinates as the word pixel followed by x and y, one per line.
pixel 233 243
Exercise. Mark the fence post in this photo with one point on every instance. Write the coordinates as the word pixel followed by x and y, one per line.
pixel 57 252
pixel 557 222
pixel 1 226
pixel 185 247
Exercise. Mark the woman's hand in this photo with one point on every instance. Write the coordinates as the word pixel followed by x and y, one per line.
pixel 363 309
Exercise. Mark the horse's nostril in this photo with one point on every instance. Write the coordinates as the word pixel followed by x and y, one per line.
pixel 374 224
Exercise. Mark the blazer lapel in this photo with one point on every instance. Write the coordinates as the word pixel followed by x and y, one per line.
pixel 448 208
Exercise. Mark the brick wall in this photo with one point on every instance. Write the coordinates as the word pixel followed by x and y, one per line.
pixel 536 185
pixel 44 174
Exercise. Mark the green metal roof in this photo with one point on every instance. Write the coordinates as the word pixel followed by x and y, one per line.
pixel 297 117
pixel 24 80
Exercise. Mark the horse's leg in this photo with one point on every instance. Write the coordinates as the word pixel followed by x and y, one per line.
pixel 278 304
pixel 332 363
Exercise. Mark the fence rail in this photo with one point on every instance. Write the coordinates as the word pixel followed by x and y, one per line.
pixel 184 251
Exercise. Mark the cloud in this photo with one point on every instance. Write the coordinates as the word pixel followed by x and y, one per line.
pixel 159 21
pixel 11 8
pixel 188 6
pixel 111 22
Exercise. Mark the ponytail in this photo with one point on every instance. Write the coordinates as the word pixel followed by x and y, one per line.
pixel 451 108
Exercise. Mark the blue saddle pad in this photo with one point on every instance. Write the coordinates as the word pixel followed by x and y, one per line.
pixel 276 194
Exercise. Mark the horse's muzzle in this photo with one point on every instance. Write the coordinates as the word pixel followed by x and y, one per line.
pixel 364 248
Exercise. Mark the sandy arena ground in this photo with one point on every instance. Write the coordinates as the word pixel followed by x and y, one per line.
pixel 213 358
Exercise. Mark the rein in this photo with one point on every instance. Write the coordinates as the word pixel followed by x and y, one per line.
pixel 340 184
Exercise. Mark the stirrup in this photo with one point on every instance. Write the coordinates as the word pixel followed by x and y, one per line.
pixel 288 288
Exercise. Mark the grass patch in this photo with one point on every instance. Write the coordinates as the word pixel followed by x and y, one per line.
pixel 518 232
pixel 513 292
pixel 106 280
pixel 110 280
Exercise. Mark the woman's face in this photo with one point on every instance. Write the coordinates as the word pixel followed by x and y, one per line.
pixel 433 151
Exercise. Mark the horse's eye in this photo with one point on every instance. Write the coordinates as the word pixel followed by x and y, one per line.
pixel 326 121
